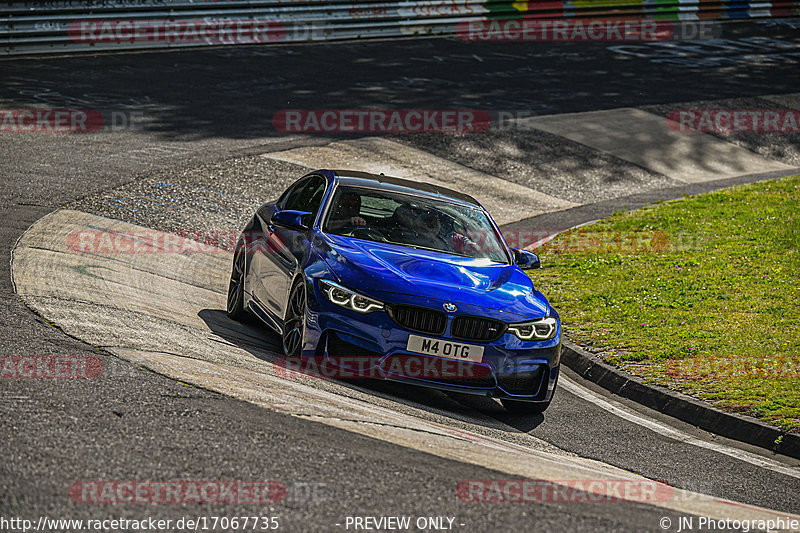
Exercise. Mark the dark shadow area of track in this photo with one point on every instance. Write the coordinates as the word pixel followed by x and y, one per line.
pixel 235 92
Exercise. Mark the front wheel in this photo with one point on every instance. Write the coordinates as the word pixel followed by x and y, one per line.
pixel 293 324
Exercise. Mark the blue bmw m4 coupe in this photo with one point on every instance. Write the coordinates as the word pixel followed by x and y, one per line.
pixel 383 277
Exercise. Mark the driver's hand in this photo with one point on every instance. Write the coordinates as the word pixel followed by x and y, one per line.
pixel 458 242
pixel 357 221
pixel 462 244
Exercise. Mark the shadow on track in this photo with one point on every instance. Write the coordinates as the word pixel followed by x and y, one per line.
pixel 265 345
pixel 235 92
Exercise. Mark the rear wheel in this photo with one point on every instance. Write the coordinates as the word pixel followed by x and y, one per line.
pixel 293 324
pixel 235 309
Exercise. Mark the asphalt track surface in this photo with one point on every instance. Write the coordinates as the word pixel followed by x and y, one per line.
pixel 210 112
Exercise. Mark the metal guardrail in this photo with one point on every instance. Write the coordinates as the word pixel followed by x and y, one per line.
pixel 63 26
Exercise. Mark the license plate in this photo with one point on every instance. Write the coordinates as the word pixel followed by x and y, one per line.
pixel 449 349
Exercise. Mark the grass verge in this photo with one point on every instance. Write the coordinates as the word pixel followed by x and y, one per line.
pixel 701 295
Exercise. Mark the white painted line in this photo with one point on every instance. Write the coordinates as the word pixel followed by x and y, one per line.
pixel 623 412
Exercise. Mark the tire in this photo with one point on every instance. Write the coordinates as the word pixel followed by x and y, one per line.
pixel 293 324
pixel 235 308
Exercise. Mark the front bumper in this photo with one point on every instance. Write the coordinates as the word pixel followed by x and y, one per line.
pixel 373 345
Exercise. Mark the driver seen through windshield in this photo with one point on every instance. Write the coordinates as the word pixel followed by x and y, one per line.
pixel 414 221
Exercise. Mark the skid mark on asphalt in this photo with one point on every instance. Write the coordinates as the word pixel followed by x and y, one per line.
pixel 623 412
pixel 646 140
pixel 162 328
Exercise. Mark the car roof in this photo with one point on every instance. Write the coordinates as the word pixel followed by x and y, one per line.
pixel 375 181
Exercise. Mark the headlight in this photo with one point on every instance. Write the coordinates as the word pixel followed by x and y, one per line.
pixel 349 299
pixel 539 330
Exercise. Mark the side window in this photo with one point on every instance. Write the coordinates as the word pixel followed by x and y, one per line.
pixel 289 195
pixel 306 195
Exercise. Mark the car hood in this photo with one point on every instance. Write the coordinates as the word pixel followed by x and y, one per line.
pixel 380 269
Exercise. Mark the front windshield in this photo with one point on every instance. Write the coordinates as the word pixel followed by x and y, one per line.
pixel 418 222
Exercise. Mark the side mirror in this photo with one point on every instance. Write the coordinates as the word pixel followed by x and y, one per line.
pixel 287 218
pixel 526 260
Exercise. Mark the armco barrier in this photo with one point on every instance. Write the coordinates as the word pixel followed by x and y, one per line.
pixel 62 26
